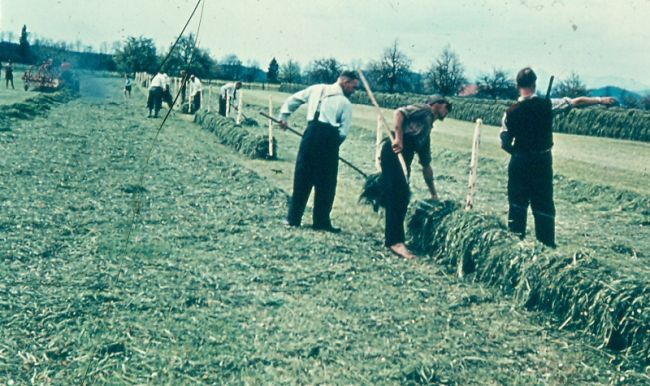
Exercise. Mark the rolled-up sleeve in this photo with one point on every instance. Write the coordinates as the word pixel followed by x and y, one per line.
pixel 294 102
pixel 561 105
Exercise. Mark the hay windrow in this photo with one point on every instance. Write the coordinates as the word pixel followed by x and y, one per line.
pixel 31 107
pixel 579 290
pixel 244 138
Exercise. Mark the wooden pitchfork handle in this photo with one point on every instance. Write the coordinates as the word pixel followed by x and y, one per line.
pixel 400 156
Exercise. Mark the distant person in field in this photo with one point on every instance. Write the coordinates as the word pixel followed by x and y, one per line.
pixel 128 85
pixel 329 116
pixel 196 92
pixel 9 75
pixel 65 69
pixel 154 100
pixel 527 134
pixel 228 89
pixel 411 133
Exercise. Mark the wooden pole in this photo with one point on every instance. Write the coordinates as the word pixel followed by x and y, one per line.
pixel 240 106
pixel 473 171
pixel 400 157
pixel 270 126
pixel 380 136
pixel 209 97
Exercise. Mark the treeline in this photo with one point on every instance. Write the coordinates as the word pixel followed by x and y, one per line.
pixel 392 73
pixel 41 50
pixel 139 54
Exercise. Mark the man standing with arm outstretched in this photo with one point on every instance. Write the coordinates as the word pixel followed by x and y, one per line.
pixel 329 116
pixel 527 134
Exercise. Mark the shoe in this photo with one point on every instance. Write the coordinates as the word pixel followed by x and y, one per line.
pixel 329 228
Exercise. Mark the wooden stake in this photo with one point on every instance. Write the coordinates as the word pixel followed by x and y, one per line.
pixel 400 156
pixel 473 171
pixel 270 126
pixel 240 105
pixel 380 136
pixel 209 97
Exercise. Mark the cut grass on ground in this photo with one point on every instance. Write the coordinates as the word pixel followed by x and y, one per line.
pixel 213 289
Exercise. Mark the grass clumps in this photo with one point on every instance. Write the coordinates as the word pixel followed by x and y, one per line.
pixel 243 138
pixel 579 290
pixel 31 107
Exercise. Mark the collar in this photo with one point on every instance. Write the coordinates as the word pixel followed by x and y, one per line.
pixel 522 98
pixel 333 89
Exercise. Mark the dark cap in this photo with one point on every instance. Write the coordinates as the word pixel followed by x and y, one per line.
pixel 349 74
pixel 438 99
pixel 526 78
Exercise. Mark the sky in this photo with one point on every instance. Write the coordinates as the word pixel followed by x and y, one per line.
pixel 603 41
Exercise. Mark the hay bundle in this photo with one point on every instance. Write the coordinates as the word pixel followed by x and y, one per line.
pixel 239 137
pixel 34 106
pixel 579 290
pixel 250 122
pixel 373 192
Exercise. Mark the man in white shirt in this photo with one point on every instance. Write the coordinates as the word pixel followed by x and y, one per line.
pixel 196 89
pixel 154 101
pixel 329 116
pixel 227 89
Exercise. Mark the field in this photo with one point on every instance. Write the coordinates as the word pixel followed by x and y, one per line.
pixel 212 288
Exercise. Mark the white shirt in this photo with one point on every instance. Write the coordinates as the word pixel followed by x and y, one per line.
pixel 195 86
pixel 158 81
pixel 229 89
pixel 335 108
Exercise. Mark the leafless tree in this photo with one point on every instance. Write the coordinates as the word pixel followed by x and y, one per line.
pixel 446 75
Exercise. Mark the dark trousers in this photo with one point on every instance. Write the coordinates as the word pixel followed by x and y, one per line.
pixel 530 181
pixel 316 167
pixel 196 102
pixel 167 97
pixel 396 194
pixel 222 106
pixel 154 100
pixel 10 79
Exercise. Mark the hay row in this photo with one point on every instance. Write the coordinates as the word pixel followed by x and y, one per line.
pixel 247 138
pixel 632 124
pixel 579 290
pixel 31 107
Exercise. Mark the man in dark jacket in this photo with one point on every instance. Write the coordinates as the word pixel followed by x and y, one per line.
pixel 527 134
